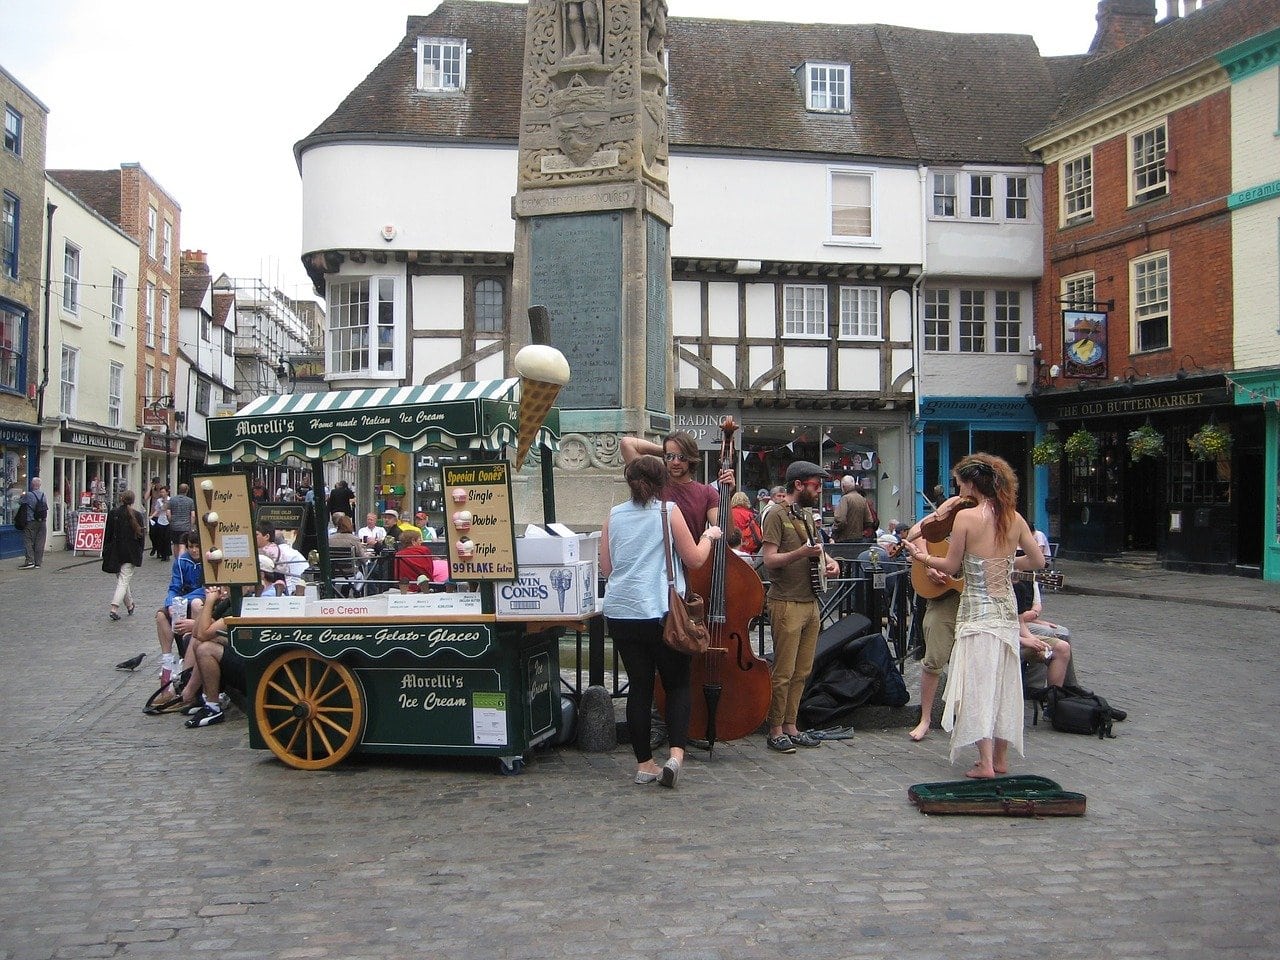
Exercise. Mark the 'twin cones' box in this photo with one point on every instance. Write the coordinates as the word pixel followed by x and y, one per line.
pixel 549 590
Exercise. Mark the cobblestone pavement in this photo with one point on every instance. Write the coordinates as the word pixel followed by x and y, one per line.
pixel 129 836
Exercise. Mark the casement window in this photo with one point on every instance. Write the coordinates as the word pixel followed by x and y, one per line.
pixel 827 87
pixel 206 329
pixel 228 342
pixel 9 256
pixel 973 321
pixel 490 306
pixel 1016 196
pixel 115 325
pixel 937 320
pixel 149 313
pixel 852 205
pixel 442 64
pixel 1147 152
pixel 981 200
pixel 115 393
pixel 1077 189
pixel 366 327
pixel 12 130
pixel 13 348
pixel 70 375
pixel 944 194
pixel 202 397
pixel 152 226
pixel 804 311
pixel 165 305
pixel 1077 292
pixel 1149 279
pixel 71 278
pixel 859 313
pixel 166 246
pixel 1007 330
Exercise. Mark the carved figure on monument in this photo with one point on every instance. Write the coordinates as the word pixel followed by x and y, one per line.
pixel 582 35
pixel 653 27
pixel 579 118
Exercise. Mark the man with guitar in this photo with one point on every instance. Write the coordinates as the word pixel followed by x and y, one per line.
pixel 793 556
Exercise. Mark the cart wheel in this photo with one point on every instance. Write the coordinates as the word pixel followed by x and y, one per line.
pixel 511 766
pixel 309 710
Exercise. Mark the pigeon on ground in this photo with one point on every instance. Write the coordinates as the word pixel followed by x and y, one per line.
pixel 132 663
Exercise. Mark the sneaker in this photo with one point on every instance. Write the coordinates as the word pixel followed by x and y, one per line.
pixel 782 743
pixel 224 701
pixel 27 566
pixel 207 717
pixel 191 709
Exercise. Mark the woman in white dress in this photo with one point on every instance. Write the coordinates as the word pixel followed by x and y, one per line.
pixel 984 681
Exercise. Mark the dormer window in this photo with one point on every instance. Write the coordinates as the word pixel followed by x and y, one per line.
pixel 827 87
pixel 442 64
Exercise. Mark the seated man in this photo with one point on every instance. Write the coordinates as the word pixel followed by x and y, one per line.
pixel 414 560
pixel 287 560
pixel 186 584
pixel 216 662
pixel 1041 642
pixel 371 535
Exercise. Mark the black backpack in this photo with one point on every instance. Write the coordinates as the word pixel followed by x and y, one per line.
pixel 21 518
pixel 1076 710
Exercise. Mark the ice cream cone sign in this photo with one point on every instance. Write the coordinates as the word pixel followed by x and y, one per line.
pixel 543 371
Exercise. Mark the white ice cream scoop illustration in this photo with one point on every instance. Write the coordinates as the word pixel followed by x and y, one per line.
pixel 462 520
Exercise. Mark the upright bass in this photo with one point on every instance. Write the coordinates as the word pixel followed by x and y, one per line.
pixel 734 681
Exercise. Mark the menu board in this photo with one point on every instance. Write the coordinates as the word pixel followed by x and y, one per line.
pixel 479 524
pixel 225 522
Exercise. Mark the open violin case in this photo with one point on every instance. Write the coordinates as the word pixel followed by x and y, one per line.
pixel 1018 796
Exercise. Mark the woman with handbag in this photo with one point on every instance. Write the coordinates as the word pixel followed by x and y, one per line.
pixel 122 550
pixel 633 558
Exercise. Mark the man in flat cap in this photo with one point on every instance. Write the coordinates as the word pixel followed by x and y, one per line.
pixel 791 552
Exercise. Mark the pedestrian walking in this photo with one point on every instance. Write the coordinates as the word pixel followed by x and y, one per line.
pixel 181 514
pixel 33 532
pixel 122 551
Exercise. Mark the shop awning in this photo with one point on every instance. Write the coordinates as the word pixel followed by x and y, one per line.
pixel 442 417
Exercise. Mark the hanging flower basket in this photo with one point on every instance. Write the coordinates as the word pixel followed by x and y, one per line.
pixel 1082 445
pixel 1047 452
pixel 1145 442
pixel 1210 442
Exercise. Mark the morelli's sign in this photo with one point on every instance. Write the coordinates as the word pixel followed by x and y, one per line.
pixel 1077 409
pixel 98 440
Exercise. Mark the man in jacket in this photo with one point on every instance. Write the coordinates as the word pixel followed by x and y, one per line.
pixel 33 534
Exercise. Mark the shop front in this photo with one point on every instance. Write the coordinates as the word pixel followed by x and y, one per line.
pixel 88 470
pixel 950 428
pixel 1260 390
pixel 1164 469
pixel 19 447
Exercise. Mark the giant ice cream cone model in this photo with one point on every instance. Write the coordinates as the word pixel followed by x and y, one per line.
pixel 543 371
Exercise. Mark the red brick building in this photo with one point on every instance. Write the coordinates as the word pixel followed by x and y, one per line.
pixel 1135 310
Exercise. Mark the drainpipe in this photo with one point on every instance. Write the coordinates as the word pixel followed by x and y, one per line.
pixel 48 286
pixel 917 338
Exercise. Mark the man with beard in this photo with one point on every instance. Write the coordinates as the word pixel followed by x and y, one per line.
pixel 790 549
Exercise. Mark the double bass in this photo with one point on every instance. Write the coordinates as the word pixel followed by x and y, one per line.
pixel 734 681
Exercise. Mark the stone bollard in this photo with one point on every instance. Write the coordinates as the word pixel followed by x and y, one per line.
pixel 596 725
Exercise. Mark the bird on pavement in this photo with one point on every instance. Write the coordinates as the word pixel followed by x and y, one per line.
pixel 132 663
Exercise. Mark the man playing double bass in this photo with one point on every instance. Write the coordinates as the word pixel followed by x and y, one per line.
pixel 699 502
pixel 790 550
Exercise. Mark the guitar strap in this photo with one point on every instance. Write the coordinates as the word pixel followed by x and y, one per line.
pixel 807 534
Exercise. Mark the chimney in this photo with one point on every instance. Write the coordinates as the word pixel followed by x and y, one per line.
pixel 195 262
pixel 1120 22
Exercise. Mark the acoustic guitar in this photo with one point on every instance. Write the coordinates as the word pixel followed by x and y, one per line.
pixel 925 587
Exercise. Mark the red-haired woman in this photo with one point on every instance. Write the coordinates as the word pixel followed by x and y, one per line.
pixel 984 682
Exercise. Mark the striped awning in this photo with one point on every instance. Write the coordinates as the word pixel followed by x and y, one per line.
pixel 448 416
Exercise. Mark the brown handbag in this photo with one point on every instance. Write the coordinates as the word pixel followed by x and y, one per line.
pixel 685 628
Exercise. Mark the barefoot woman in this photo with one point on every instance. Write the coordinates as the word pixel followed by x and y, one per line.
pixel 984 683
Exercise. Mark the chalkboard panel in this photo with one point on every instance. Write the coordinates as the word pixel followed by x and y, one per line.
pixel 657 326
pixel 576 272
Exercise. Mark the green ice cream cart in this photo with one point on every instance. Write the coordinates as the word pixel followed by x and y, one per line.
pixel 440 674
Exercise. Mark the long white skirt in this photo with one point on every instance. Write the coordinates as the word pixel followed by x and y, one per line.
pixel 983 698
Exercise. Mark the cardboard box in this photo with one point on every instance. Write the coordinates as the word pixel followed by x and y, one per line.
pixel 556 543
pixel 549 590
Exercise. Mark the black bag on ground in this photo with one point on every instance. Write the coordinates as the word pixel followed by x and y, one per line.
pixel 1076 710
pixel 852 667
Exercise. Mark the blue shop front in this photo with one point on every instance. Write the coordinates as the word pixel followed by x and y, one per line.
pixel 19 447
pixel 950 428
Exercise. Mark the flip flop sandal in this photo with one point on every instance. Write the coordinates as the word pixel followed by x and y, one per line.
pixel 113 615
pixel 162 701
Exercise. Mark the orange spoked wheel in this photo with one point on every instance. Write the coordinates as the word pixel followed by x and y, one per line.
pixel 309 710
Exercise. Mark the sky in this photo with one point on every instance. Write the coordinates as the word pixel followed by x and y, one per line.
pixel 211 98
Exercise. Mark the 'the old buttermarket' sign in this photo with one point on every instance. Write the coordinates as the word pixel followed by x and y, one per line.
pixel 468 640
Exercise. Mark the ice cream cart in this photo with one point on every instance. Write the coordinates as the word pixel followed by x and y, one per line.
pixel 407 673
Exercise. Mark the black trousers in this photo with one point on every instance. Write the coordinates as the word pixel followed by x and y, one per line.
pixel 639 643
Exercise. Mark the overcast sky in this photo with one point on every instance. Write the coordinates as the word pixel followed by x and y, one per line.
pixel 210 98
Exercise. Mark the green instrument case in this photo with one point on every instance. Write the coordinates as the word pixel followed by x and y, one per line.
pixel 1020 796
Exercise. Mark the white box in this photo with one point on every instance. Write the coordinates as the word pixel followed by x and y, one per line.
pixel 561 545
pixel 549 590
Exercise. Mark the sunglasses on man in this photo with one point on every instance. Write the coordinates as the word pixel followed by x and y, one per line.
pixel 675 458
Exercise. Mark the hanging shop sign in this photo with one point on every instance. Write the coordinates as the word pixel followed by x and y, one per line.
pixel 1084 344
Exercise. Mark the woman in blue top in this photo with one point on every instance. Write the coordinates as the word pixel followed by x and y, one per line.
pixel 635 603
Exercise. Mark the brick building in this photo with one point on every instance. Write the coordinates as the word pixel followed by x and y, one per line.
pixel 22 158
pixel 1135 317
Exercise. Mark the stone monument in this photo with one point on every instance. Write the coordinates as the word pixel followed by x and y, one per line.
pixel 593 219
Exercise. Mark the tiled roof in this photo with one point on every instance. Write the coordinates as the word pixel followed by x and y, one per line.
pixel 222 304
pixel 1175 46
pixel 194 285
pixel 99 189
pixel 737 85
